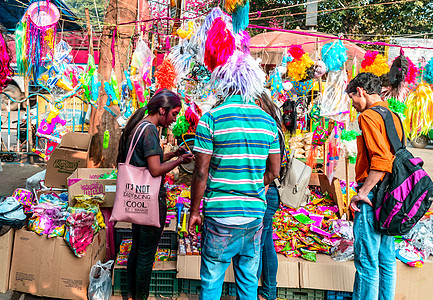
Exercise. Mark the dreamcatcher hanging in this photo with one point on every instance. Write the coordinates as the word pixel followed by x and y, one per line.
pixel 35 36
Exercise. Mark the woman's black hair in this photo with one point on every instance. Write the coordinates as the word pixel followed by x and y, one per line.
pixel 163 99
pixel 270 107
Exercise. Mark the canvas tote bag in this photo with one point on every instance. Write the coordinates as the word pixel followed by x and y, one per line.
pixel 137 192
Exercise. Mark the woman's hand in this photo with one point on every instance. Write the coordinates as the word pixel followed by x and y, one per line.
pixel 181 150
pixel 186 158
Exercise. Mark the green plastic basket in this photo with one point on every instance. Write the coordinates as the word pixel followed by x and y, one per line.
pixel 300 294
pixel 163 283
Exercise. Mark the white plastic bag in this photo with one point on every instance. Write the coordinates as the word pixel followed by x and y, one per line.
pixel 335 101
pixel 100 281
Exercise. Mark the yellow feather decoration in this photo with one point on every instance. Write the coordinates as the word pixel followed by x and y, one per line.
pixel 378 67
pixel 297 69
pixel 419 111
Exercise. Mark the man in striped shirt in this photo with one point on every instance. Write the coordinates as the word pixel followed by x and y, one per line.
pixel 237 155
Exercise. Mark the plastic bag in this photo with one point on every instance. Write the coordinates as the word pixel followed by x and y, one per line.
pixel 100 281
pixel 335 101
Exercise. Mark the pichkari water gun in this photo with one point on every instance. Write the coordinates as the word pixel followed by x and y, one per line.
pixel 106 139
pixel 112 97
pixel 114 84
pixel 139 93
pixel 95 90
pixel 48 128
pixel 128 80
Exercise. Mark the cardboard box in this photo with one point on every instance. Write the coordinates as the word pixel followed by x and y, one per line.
pixel 188 267
pixel 414 283
pixel 6 245
pixel 70 154
pixel 327 274
pixel 48 268
pixel 87 182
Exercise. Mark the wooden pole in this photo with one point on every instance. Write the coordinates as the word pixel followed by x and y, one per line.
pixel 117 12
pixel 89 32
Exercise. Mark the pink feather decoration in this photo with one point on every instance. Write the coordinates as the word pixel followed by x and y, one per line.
pixel 296 51
pixel 220 45
pixel 192 118
pixel 5 69
pixel 245 42
pixel 369 58
pixel 412 71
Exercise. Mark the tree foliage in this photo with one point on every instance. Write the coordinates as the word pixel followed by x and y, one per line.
pixel 362 19
pixel 78 7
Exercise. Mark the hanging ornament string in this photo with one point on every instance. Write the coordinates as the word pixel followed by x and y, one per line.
pixel 338 38
pixel 113 42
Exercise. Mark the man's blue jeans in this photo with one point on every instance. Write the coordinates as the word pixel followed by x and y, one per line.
pixel 269 261
pixel 223 244
pixel 374 259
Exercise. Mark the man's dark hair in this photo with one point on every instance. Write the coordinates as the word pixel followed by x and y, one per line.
pixel 368 81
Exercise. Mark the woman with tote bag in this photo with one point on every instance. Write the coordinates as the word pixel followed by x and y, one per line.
pixel 141 158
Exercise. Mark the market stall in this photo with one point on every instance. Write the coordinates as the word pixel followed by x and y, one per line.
pixel 65 219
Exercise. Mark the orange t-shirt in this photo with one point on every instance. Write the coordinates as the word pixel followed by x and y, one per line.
pixel 377 143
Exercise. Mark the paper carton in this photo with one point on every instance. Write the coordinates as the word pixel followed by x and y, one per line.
pixel 188 267
pixel 414 283
pixel 327 274
pixel 6 245
pixel 70 154
pixel 48 268
pixel 86 182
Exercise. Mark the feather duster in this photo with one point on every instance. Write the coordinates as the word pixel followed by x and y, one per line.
pixel 374 63
pixel 220 45
pixel 334 55
pixel 241 75
pixel 165 75
pixel 428 72
pixel 5 59
pixel 419 111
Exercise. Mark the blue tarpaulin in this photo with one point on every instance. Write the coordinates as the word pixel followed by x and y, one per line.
pixel 11 12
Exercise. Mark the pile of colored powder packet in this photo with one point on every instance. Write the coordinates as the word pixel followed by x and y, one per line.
pixel 177 193
pixel 165 255
pixel 416 246
pixel 76 224
pixel 314 228
pixel 124 249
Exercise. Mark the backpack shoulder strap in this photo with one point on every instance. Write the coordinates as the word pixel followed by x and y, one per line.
pixel 391 131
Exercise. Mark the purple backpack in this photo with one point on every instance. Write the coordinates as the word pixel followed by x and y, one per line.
pixel 405 195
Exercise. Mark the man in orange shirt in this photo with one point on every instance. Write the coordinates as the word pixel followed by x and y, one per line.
pixel 374 252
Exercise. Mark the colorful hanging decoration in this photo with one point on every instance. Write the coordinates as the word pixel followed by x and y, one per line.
pixel 302 88
pixel 396 86
pixel 397 106
pixel 320 136
pixel 241 75
pixel 192 116
pixel 276 83
pixel 419 111
pixel 36 32
pixel 334 55
pixel 374 63
pixel 428 72
pixel 220 45
pixel 319 69
pixel 165 75
pixel 186 34
pixel 5 59
pixel 297 68
pixel 349 145
pixel 239 9
pixel 181 126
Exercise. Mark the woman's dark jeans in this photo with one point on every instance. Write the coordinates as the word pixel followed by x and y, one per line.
pixel 145 241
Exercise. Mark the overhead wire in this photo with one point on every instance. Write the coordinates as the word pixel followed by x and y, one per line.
pixel 334 9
